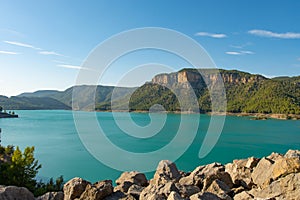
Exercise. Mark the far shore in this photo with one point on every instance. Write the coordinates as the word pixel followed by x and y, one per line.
pixel 255 116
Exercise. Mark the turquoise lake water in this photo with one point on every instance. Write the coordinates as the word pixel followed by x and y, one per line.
pixel 61 152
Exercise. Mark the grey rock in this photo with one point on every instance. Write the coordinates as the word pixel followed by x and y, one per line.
pixel 204 196
pixel 166 171
pixel 97 191
pixel 51 196
pixel 220 189
pixel 74 188
pixel 129 178
pixel 15 193
pixel 161 191
pixel 135 191
pixel 119 196
pixel 187 190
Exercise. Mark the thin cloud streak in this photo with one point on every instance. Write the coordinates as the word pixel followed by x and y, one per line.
pixel 73 67
pixel 237 53
pixel 213 35
pixel 50 53
pixel 20 44
pixel 270 34
pixel 9 52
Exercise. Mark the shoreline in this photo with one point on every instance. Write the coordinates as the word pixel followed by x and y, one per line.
pixel 275 176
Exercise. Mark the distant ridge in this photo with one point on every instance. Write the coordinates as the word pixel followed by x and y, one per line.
pixel 246 93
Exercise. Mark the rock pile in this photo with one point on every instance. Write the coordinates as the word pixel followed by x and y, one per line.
pixel 274 177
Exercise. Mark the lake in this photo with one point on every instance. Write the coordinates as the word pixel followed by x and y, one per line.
pixel 61 152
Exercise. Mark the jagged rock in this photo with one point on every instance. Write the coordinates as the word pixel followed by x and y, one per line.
pixel 240 171
pixel 243 196
pixel 166 171
pixel 280 168
pixel 129 178
pixel 203 176
pixel 252 162
pixel 162 191
pixel 220 189
pixel 285 166
pixel 15 193
pixel 261 174
pixel 135 190
pixel 97 191
pixel 274 156
pixel 204 196
pixel 51 196
pixel 187 190
pixel 287 187
pixel 292 154
pixel 174 196
pixel 74 188
pixel 235 191
pixel 119 196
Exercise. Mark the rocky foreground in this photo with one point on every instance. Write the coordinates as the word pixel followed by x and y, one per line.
pixel 274 177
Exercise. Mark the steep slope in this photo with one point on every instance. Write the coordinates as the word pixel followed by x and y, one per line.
pixel 245 92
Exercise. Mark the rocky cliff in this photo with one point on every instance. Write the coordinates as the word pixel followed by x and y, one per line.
pixel 273 177
pixel 201 76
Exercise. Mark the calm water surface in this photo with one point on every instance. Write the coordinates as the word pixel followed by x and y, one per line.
pixel 60 151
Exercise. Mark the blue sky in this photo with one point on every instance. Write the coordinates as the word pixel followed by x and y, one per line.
pixel 43 43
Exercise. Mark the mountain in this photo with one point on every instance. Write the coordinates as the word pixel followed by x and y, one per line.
pixel 52 99
pixel 245 92
pixel 31 103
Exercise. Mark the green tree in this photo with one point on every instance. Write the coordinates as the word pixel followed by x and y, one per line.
pixel 1 108
pixel 22 168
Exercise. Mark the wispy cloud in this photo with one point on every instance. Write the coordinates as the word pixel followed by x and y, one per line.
pixel 50 53
pixel 270 34
pixel 241 46
pixel 213 35
pixel 73 67
pixel 237 53
pixel 59 61
pixel 20 44
pixel 9 52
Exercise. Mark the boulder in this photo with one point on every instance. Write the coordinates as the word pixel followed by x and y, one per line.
pixel 129 178
pixel 268 170
pixel 135 191
pixel 161 191
pixel 240 171
pixel 74 188
pixel 174 196
pixel 51 196
pixel 15 193
pixel 97 191
pixel 261 174
pixel 166 171
pixel 203 176
pixel 243 196
pixel 220 189
pixel 292 154
pixel 119 196
pixel 204 196
pixel 187 190
pixel 287 187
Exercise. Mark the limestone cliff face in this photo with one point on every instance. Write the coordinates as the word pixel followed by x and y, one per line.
pixel 207 76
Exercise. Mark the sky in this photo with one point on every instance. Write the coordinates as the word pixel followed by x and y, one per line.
pixel 43 44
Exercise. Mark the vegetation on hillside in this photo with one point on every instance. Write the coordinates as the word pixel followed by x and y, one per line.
pixel 20 169
pixel 259 95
